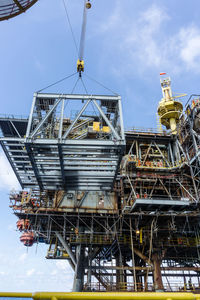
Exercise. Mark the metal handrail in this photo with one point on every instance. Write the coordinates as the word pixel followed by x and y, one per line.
pixel 142 129
pixel 21 117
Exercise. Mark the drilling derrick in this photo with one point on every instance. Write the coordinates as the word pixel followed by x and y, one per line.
pixel 121 206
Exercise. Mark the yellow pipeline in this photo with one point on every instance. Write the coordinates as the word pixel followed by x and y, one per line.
pixel 106 296
pixel 16 295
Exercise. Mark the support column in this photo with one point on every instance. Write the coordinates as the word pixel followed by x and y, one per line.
pixel 79 269
pixel 157 275
pixel 119 273
pixel 89 274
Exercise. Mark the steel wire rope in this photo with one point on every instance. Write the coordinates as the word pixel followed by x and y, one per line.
pixel 65 78
pixel 72 91
pixel 75 85
pixel 105 87
pixel 70 25
pixel 84 86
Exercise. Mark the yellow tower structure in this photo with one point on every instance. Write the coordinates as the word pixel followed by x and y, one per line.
pixel 169 109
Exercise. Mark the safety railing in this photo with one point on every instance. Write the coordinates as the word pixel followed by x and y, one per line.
pixel 126 240
pixel 98 239
pixel 144 130
pixel 141 287
pixel 155 165
pixel 21 117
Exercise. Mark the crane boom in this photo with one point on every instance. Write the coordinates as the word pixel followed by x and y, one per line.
pixel 80 61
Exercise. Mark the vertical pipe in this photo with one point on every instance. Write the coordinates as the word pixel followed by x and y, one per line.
pixel 89 275
pixel 79 269
pixel 61 119
pixel 133 256
pixel 31 116
pixel 121 118
pixel 80 265
pixel 157 275
pixel 171 154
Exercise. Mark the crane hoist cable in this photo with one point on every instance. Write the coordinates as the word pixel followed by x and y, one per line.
pixel 70 25
pixel 80 61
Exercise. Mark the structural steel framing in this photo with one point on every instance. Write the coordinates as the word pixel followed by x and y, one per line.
pixel 122 208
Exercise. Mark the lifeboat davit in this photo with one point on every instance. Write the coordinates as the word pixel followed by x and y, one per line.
pixel 27 238
pixel 23 224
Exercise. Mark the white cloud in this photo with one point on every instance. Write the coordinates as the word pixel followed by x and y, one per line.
pixel 54 272
pixel 145 42
pixel 2 273
pixel 12 227
pixel 30 272
pixel 152 19
pixel 190 46
pixel 7 177
pixel 62 264
pixel 23 257
pixel 38 65
pixel 112 21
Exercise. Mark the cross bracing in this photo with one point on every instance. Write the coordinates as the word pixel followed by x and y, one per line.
pixel 130 228
pixel 59 153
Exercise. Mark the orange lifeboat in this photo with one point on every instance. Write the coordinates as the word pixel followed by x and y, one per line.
pixel 23 224
pixel 27 238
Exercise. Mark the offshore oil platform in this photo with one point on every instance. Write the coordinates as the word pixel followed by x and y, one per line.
pixel 122 207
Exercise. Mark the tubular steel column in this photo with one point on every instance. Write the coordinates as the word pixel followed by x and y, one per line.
pixel 157 275
pixel 79 270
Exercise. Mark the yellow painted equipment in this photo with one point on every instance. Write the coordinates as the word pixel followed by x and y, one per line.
pixel 141 238
pixel 106 129
pixel 96 126
pixel 105 296
pixel 169 110
pixel 80 65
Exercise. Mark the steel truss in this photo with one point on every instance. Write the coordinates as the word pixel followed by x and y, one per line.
pixel 61 153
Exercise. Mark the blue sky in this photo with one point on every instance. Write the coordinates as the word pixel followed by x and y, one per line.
pixel 128 43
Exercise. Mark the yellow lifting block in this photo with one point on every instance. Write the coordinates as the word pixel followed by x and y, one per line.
pixel 106 129
pixel 96 126
pixel 80 65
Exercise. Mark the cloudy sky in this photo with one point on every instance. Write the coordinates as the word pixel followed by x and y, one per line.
pixel 128 43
